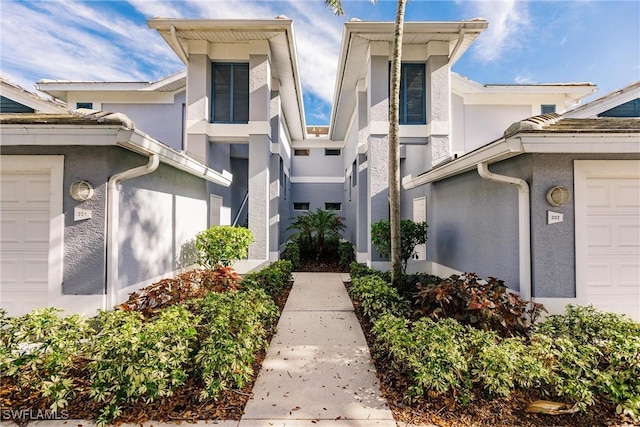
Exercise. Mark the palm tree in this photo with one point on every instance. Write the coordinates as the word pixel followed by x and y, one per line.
pixel 394 137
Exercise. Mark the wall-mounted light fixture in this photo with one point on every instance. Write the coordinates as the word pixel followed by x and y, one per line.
pixel 81 191
pixel 558 195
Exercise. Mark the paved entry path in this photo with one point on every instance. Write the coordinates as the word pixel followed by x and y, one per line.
pixel 318 370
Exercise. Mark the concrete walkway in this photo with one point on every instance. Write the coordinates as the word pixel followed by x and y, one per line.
pixel 318 370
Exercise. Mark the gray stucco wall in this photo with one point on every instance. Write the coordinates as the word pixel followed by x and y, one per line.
pixel 163 121
pixel 473 223
pixel 317 195
pixel 160 214
pixel 317 164
pixel 553 245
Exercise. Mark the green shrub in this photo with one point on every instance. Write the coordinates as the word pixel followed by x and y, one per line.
pixel 235 328
pixel 316 230
pixel 272 279
pixel 222 244
pixel 135 360
pixel 360 270
pixel 412 234
pixel 594 353
pixel 377 297
pixel 502 365
pixel 292 253
pixel 346 254
pixel 484 305
pixel 40 349
pixel 433 354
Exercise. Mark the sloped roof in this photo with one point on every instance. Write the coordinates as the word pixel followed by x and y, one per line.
pixel 91 118
pixel 29 99
pixel 555 123
pixel 60 88
pixel 606 102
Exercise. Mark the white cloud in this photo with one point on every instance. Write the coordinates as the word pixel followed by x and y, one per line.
pixel 508 22
pixel 524 79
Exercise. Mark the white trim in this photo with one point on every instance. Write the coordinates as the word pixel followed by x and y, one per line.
pixel 583 170
pixel 317 179
pixel 556 305
pixel 55 166
pixel 441 270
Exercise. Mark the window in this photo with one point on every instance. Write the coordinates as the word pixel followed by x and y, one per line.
pixel 332 151
pixel 300 206
pixel 332 206
pixel 354 173
pixel 412 94
pixel 301 152
pixel 230 93
pixel 88 105
pixel 547 108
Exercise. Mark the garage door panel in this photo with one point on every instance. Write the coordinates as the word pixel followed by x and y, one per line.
pixel 37 231
pixel 38 190
pixel 599 195
pixel 599 235
pixel 627 194
pixel 628 235
pixel 629 274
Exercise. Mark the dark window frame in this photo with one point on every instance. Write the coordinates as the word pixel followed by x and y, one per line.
pixel 332 152
pixel 234 68
pixel 327 206
pixel 301 152
pixel 300 208
pixel 87 105
pixel 551 108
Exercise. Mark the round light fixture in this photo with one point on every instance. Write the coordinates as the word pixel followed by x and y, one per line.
pixel 558 196
pixel 81 191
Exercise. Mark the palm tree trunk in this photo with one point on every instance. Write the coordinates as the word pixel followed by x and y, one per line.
pixel 394 147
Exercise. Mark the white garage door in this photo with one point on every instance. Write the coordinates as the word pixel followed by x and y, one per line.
pixel 31 228
pixel 24 240
pixel 611 264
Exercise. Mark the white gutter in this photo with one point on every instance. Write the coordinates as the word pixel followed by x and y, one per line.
pixel 524 227
pixel 113 205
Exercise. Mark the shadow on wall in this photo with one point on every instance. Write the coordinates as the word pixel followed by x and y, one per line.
pixel 446 240
pixel 187 255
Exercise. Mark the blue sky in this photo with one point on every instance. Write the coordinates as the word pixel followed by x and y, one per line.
pixel 527 41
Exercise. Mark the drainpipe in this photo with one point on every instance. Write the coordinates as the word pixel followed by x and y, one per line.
pixel 524 229
pixel 113 205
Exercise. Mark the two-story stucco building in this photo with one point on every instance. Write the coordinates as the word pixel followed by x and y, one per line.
pixel 237 151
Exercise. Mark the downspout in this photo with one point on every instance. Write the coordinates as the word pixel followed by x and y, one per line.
pixel 113 205
pixel 181 52
pixel 458 43
pixel 524 228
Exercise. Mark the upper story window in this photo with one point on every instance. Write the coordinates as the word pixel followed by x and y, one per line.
pixel 547 108
pixel 88 105
pixel 412 94
pixel 332 151
pixel 230 93
pixel 301 152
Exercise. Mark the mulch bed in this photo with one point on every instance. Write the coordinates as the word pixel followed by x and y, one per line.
pixel 445 412
pixel 322 266
pixel 183 405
